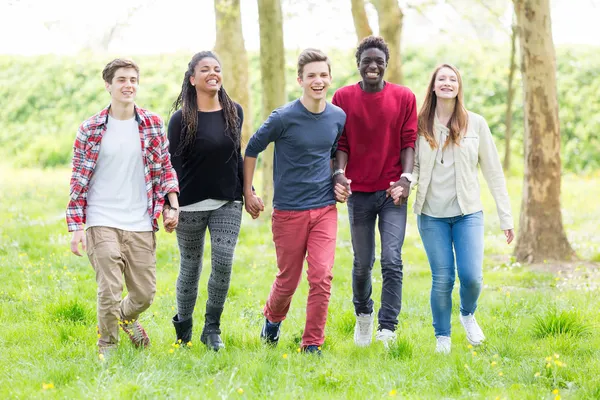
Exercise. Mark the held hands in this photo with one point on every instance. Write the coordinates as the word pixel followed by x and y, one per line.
pixel 78 236
pixel 341 188
pixel 399 191
pixel 170 219
pixel 510 235
pixel 254 204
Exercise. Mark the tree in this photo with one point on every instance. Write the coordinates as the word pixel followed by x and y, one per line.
pixel 361 22
pixel 541 234
pixel 232 52
pixel 510 96
pixel 390 27
pixel 272 68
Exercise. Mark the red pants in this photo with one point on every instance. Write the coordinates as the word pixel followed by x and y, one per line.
pixel 309 234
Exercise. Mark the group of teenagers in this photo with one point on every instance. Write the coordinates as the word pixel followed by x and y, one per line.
pixel 368 148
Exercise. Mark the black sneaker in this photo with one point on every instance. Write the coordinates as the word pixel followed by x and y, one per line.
pixel 270 332
pixel 312 349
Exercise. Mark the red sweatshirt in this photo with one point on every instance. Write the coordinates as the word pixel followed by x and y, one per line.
pixel 378 127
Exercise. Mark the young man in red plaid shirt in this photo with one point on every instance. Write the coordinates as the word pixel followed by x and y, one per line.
pixel 121 175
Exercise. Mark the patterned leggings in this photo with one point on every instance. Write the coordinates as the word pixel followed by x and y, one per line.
pixel 224 227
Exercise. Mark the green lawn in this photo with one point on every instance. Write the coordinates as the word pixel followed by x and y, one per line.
pixel 48 325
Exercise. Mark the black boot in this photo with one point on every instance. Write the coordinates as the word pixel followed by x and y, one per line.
pixel 183 329
pixel 211 332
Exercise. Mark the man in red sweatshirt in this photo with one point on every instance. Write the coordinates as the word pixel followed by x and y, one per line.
pixel 375 154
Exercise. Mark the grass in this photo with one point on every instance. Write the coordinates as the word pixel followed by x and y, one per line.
pixel 541 323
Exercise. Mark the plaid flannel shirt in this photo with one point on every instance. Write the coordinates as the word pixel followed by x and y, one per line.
pixel 160 176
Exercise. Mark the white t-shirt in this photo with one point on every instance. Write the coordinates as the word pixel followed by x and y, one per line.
pixel 117 191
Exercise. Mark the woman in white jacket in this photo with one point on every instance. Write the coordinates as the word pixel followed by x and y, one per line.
pixel 452 143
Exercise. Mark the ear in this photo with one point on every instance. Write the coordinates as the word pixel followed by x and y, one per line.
pixel 192 81
pixel 107 86
pixel 299 79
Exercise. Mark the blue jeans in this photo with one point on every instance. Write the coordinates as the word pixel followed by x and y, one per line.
pixel 363 210
pixel 440 235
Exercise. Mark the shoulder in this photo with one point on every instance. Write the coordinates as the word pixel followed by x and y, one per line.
pixel 94 121
pixel 346 90
pixel 476 120
pixel 399 90
pixel 336 111
pixel 148 117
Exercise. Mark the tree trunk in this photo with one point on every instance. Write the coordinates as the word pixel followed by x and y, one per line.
pixel 232 52
pixel 541 236
pixel 390 27
pixel 509 97
pixel 272 68
pixel 361 22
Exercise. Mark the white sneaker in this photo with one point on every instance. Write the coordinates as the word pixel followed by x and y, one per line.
pixel 385 336
pixel 443 345
pixel 363 330
pixel 475 335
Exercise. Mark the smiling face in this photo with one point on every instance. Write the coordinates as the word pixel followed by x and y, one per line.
pixel 446 84
pixel 315 80
pixel 207 75
pixel 372 66
pixel 124 85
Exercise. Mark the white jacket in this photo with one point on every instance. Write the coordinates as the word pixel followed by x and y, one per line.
pixel 476 148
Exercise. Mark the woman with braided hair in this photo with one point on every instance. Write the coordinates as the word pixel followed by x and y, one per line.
pixel 204 136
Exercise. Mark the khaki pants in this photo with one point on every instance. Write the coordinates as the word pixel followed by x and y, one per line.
pixel 114 254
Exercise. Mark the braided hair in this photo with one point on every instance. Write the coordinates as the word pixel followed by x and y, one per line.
pixel 187 101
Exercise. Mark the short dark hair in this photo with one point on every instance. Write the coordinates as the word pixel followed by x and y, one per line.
pixel 372 42
pixel 108 73
pixel 311 55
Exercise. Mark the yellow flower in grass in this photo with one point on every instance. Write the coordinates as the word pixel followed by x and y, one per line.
pixel 240 391
pixel 557 397
pixel 549 358
pixel 176 345
pixel 466 366
pixel 285 355
pixel 189 344
pixel 474 353
pixel 494 363
pixel 101 357
pixel 171 351
pixel 555 391
pixel 556 356
pixel 319 348
pixel 469 346
pixel 299 350
pixel 47 386
pixel 548 365
pixel 500 373
pixel 393 392
pixel 537 374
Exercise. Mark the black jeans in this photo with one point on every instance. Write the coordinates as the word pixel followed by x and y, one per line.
pixel 363 210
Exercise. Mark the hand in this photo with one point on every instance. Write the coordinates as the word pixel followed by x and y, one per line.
pixel 399 191
pixel 510 235
pixel 341 188
pixel 254 204
pixel 78 236
pixel 170 219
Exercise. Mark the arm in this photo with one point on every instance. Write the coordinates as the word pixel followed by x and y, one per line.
pixel 269 132
pixel 400 190
pixel 239 149
pixel 77 200
pixel 169 183
pixel 489 161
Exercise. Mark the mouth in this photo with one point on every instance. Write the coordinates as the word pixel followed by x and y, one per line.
pixel 372 75
pixel 212 82
pixel 127 93
pixel 447 90
pixel 318 89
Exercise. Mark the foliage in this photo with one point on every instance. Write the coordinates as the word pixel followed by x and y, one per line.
pixel 44 99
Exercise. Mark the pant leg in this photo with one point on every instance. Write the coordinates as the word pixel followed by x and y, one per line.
pixel 392 228
pixel 290 233
pixel 321 255
pixel 104 253
pixel 362 214
pixel 191 232
pixel 436 234
pixel 467 234
pixel 224 227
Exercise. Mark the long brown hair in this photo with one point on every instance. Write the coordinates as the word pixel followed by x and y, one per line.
pixel 188 103
pixel 459 119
